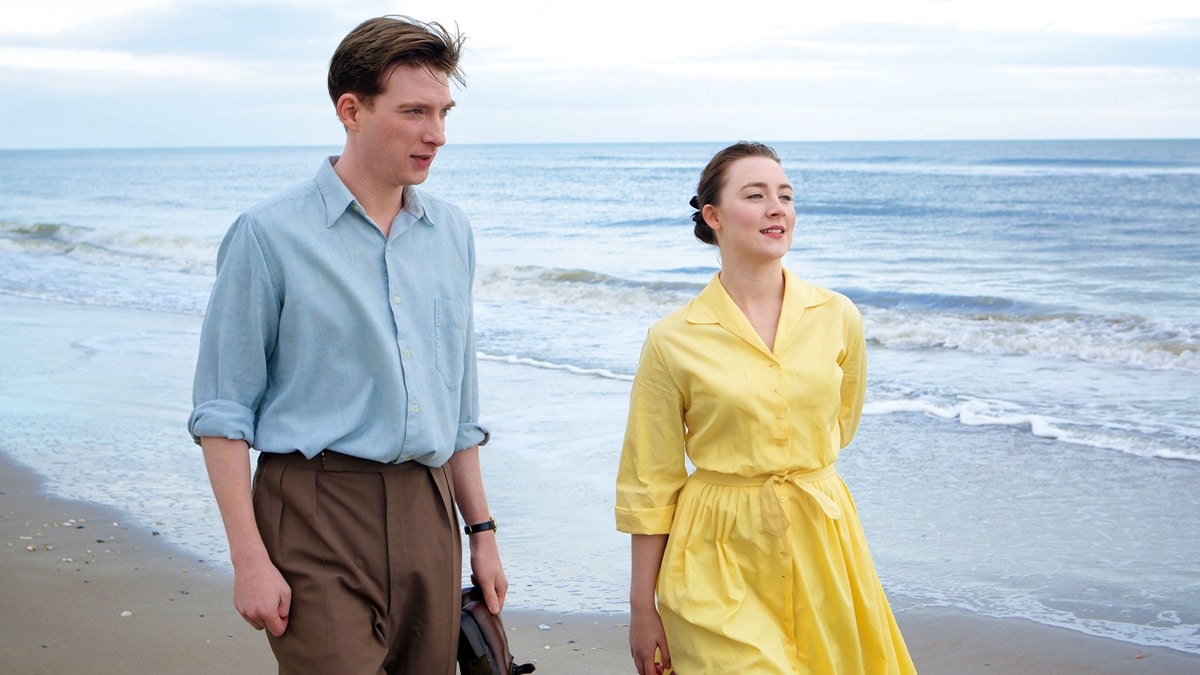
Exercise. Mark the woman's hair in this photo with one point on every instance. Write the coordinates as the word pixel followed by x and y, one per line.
pixel 375 45
pixel 708 191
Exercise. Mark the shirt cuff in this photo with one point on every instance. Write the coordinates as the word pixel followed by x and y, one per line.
pixel 645 521
pixel 222 419
pixel 471 434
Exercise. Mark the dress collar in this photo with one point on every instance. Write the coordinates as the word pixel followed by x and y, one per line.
pixel 714 306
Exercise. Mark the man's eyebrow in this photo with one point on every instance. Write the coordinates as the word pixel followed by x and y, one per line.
pixel 422 104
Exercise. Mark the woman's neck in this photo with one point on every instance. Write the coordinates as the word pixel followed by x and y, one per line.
pixel 753 286
pixel 758 292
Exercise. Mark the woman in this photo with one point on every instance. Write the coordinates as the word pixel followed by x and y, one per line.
pixel 757 559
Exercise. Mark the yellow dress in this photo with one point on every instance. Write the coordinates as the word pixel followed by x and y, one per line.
pixel 766 568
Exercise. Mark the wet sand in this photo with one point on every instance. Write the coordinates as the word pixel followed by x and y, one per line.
pixel 82 591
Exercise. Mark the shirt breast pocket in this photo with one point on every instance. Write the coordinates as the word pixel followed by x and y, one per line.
pixel 450 337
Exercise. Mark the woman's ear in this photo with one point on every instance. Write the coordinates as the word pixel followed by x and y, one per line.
pixel 711 217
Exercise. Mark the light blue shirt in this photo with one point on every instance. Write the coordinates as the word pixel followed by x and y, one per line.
pixel 320 334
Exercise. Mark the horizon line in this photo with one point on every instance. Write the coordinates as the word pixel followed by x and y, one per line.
pixel 566 143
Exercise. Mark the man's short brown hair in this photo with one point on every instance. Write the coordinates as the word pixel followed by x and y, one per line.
pixel 375 45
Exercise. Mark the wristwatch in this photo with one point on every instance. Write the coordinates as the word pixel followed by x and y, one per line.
pixel 489 524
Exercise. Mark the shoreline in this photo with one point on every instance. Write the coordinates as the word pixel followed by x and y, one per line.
pixel 84 592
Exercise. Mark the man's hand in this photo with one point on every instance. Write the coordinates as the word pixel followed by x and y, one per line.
pixel 487 571
pixel 261 596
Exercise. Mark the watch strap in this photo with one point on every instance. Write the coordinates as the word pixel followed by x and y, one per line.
pixel 489 524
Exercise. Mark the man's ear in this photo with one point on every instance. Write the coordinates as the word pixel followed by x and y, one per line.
pixel 348 108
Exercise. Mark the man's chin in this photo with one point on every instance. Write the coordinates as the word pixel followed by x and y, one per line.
pixel 417 177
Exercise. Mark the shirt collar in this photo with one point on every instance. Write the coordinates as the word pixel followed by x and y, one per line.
pixel 339 199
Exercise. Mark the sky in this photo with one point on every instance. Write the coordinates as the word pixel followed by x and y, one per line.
pixel 184 73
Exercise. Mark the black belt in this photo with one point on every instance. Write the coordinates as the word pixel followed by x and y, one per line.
pixel 329 460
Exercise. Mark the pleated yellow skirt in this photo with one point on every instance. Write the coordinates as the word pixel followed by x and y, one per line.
pixel 772 575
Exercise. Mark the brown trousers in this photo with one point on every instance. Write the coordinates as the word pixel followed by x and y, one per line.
pixel 373 557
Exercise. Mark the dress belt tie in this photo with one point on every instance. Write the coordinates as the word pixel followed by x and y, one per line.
pixel 775 520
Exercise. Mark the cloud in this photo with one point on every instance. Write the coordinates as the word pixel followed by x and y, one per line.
pixel 232 72
pixel 51 16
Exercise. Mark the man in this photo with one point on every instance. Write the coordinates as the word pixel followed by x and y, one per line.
pixel 339 343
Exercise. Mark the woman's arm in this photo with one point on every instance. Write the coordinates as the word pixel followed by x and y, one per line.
pixel 647 639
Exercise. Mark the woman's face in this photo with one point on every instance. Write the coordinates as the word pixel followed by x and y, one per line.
pixel 756 218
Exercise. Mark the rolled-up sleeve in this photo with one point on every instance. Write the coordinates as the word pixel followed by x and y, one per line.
pixel 471 431
pixel 652 470
pixel 239 334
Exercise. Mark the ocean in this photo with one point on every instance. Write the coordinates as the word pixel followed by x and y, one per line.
pixel 1030 445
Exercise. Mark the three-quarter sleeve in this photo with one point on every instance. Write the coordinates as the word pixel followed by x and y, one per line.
pixel 652 469
pixel 854 374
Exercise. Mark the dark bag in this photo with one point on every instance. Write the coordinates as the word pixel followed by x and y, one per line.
pixel 482 642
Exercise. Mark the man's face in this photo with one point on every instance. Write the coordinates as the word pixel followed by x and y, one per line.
pixel 400 132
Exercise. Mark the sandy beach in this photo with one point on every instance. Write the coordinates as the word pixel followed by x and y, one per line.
pixel 83 592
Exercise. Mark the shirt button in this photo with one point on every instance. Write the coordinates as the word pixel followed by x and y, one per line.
pixel 407 353
pixel 781 417
pixel 416 408
pixel 778 390
pixel 396 299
